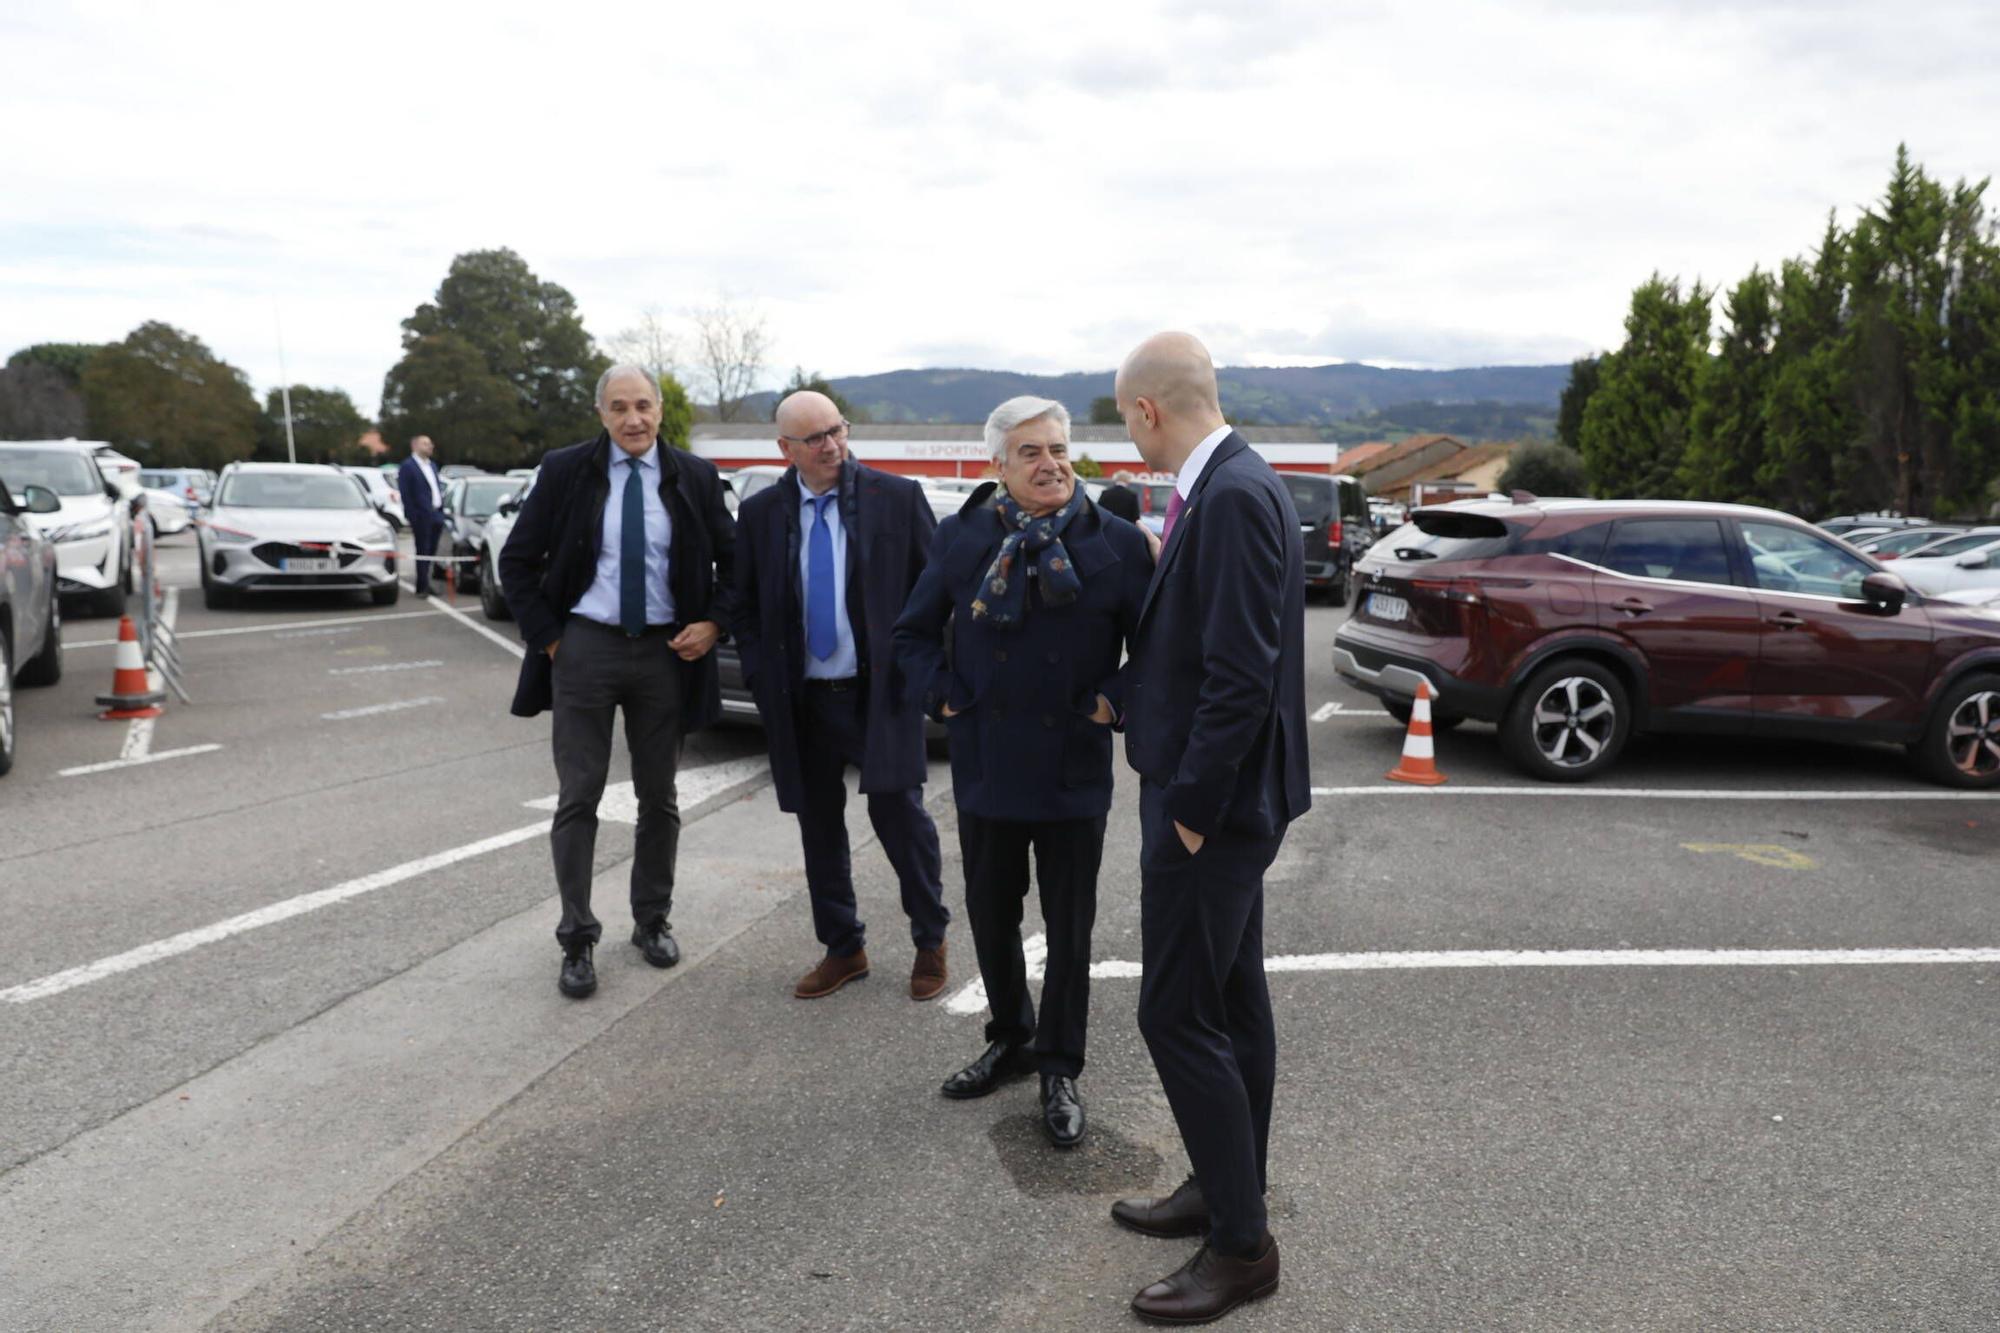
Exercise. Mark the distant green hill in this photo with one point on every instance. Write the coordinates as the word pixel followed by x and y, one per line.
pixel 1507 397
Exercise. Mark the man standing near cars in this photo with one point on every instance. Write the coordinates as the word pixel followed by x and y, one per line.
pixel 619 570
pixel 1041 590
pixel 828 557
pixel 423 506
pixel 1216 730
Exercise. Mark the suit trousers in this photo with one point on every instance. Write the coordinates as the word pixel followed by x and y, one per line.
pixel 1205 1011
pixel 1067 853
pixel 424 536
pixel 832 732
pixel 598 671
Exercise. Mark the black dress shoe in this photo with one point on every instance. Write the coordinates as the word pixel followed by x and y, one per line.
pixel 578 977
pixel 656 941
pixel 1209 1286
pixel 1182 1213
pixel 1062 1110
pixel 998 1062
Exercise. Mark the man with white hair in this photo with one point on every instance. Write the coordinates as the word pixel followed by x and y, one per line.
pixel 1216 730
pixel 1039 591
pixel 619 571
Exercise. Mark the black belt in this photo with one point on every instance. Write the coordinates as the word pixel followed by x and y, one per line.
pixel 670 630
pixel 840 686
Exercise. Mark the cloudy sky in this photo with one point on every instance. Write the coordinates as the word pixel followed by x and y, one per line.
pixel 1025 185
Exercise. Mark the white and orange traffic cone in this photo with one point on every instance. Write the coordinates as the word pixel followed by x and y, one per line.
pixel 131 693
pixel 1419 763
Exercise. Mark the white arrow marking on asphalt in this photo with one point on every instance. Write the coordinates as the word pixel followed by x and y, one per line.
pixel 1336 709
pixel 971 999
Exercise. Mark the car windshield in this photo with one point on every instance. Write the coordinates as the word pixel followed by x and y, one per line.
pixel 1971 541
pixel 61 470
pixel 291 490
pixel 483 497
pixel 1312 497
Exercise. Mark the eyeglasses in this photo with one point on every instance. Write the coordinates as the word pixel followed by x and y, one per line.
pixel 819 439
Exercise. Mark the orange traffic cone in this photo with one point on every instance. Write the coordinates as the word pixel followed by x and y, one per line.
pixel 1418 764
pixel 131 695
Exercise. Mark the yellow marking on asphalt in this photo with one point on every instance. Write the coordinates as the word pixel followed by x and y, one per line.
pixel 367 650
pixel 1758 853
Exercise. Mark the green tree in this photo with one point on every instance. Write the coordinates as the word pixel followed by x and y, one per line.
pixel 162 395
pixel 1635 426
pixel 37 403
pixel 326 426
pixel 1728 439
pixel 66 359
pixel 818 383
pixel 1546 469
pixel 1809 414
pixel 1583 377
pixel 1086 466
pixel 676 413
pixel 520 331
pixel 1104 411
pixel 443 388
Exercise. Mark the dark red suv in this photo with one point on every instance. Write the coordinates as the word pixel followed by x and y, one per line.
pixel 1574 623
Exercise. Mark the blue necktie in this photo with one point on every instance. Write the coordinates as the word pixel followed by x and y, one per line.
pixel 632 555
pixel 822 638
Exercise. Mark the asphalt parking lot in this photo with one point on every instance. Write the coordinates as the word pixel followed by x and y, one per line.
pixel 1689 1049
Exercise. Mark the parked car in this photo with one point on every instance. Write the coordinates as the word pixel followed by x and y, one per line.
pixel 1959 565
pixel 451 470
pixel 195 487
pixel 747 481
pixel 1574 624
pixel 1334 526
pixel 1900 542
pixel 468 503
pixel 30 611
pixel 491 602
pixel 91 528
pixel 381 493
pixel 287 527
pixel 1846 525
pixel 1962 542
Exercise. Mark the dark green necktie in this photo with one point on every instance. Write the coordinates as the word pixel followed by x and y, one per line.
pixel 632 556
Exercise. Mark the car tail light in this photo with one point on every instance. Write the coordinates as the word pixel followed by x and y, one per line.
pixel 1464 591
pixel 1333 533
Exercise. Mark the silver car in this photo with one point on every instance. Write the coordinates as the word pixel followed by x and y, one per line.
pixel 286 527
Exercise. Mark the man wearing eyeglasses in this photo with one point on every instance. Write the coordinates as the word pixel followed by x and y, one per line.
pixel 826 559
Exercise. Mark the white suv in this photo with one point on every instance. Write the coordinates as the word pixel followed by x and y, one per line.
pixel 93 529
pixel 286 527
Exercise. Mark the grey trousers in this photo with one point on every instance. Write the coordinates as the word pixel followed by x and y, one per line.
pixel 599 670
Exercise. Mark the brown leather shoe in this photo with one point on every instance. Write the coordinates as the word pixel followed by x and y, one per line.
pixel 1209 1286
pixel 832 973
pixel 1182 1213
pixel 927 974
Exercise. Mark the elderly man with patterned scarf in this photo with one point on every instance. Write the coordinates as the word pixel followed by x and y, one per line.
pixel 1038 590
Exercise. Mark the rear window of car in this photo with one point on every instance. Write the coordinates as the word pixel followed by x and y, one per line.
pixel 1688 549
pixel 1585 543
pixel 1971 541
pixel 1311 496
pixel 1443 535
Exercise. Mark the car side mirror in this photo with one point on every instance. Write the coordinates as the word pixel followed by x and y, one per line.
pixel 510 505
pixel 1885 592
pixel 40 500
pixel 1977 560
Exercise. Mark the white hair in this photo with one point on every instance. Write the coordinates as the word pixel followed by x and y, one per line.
pixel 1019 412
pixel 625 368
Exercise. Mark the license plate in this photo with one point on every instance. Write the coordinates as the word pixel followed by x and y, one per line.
pixel 1384 607
pixel 309 565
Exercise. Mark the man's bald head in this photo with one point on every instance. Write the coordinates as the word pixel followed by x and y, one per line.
pixel 1173 370
pixel 802 413
pixel 813 437
pixel 1166 393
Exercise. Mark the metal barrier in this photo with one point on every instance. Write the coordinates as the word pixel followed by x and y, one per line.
pixel 156 638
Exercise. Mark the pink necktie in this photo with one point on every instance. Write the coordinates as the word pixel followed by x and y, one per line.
pixel 1174 507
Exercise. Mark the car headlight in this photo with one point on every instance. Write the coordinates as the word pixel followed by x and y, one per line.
pixel 82 532
pixel 382 535
pixel 230 536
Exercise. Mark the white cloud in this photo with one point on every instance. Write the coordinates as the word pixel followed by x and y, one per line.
pixel 1031 185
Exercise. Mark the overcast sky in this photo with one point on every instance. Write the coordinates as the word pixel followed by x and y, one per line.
pixel 1024 185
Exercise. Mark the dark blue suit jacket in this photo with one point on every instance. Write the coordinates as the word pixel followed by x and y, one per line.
pixel 888 525
pixel 1023 746
pixel 551 557
pixel 1215 693
pixel 415 489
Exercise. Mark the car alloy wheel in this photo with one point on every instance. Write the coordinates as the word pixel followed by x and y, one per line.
pixel 6 704
pixel 1573 721
pixel 1963 746
pixel 1568 722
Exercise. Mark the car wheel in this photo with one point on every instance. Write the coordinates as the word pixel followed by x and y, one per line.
pixel 490 601
pixel 1961 747
pixel 1440 720
pixel 1568 723
pixel 387 594
pixel 46 667
pixel 1337 594
pixel 214 595
pixel 6 703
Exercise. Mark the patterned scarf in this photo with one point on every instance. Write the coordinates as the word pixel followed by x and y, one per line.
pixel 1004 598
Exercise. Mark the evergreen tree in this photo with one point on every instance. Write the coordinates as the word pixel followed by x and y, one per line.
pixel 1809 414
pixel 1635 425
pixel 163 396
pixel 676 412
pixel 1727 443
pixel 1584 373
pixel 1546 470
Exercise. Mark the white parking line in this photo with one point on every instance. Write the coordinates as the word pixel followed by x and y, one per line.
pixel 371 710
pixel 385 666
pixel 620 804
pixel 1504 958
pixel 134 761
pixel 1664 793
pixel 1335 708
pixel 971 999
pixel 307 627
pixel 517 649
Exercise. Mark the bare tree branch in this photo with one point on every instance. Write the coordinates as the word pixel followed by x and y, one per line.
pixel 651 343
pixel 730 347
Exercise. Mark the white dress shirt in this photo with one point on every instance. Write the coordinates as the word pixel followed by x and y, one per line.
pixel 429 469
pixel 844 662
pixel 1191 470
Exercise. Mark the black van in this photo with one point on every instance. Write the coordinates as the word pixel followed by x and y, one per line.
pixel 1335 527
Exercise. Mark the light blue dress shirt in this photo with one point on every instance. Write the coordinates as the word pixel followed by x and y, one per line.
pixel 844 662
pixel 600 600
